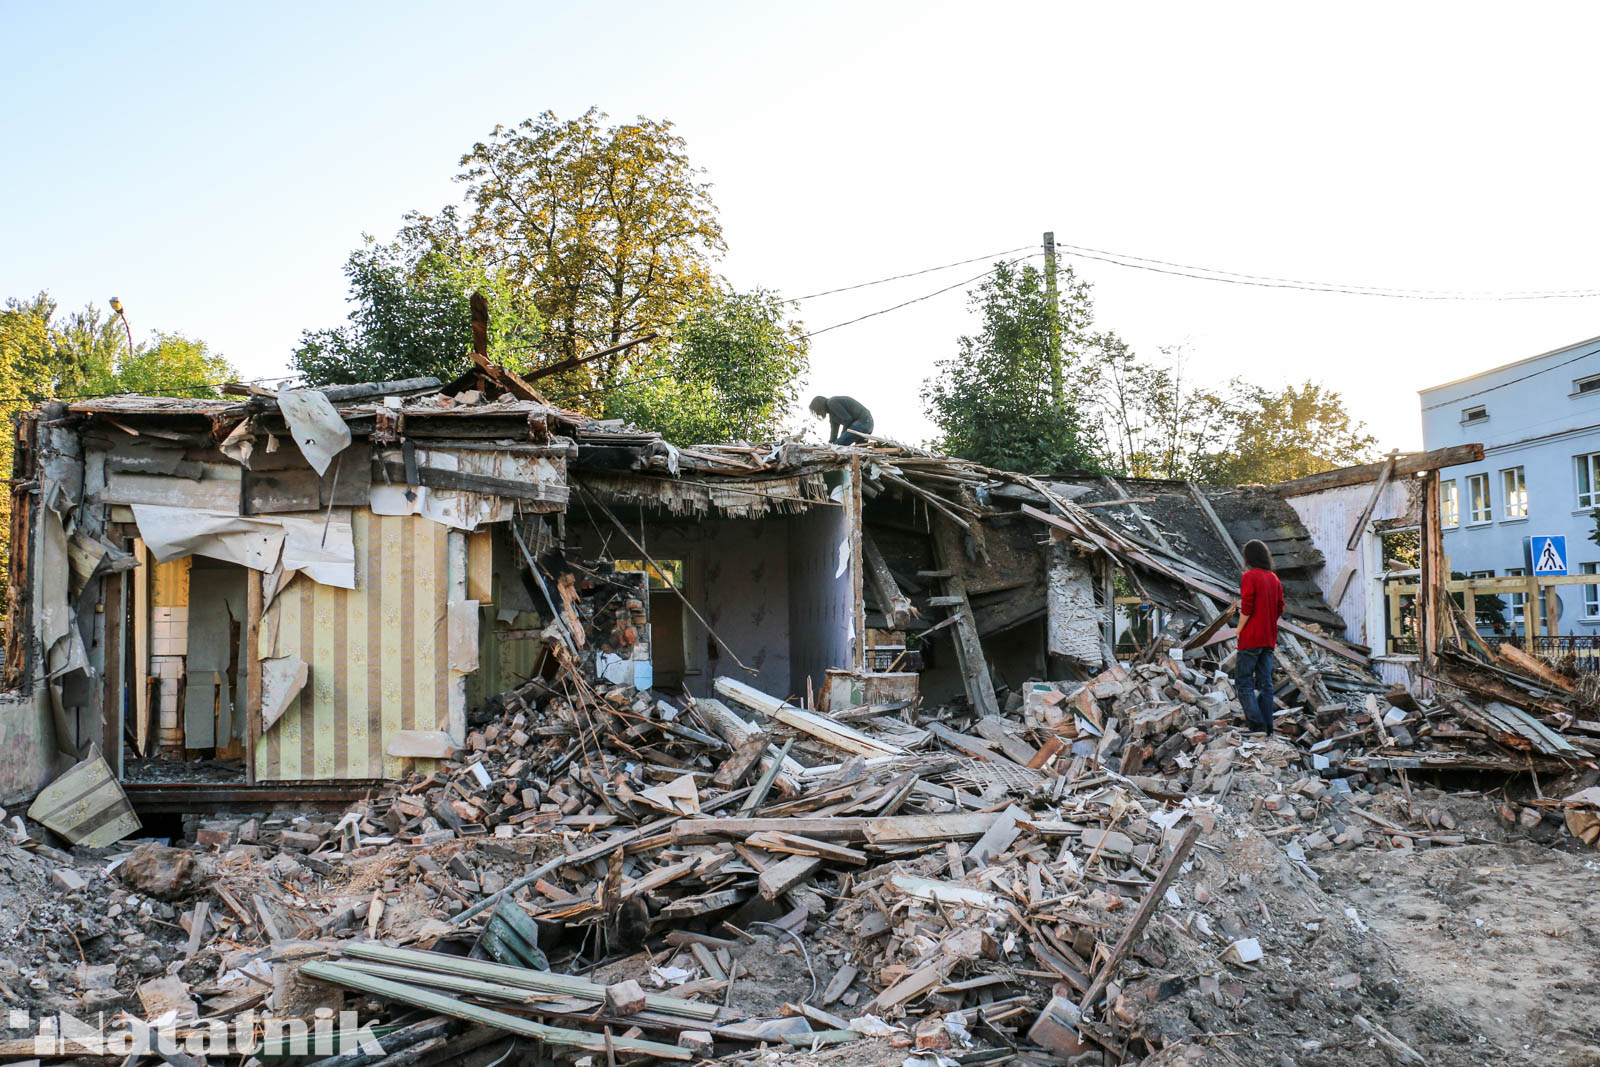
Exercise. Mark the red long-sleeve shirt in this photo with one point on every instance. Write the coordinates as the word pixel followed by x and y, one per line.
pixel 1261 602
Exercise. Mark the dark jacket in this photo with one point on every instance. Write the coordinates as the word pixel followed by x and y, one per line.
pixel 847 413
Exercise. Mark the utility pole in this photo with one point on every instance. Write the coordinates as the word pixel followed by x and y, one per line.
pixel 116 306
pixel 1055 318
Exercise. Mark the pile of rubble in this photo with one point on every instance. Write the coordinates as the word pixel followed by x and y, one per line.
pixel 1108 872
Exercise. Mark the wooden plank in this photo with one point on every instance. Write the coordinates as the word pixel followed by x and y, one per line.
pixel 1519 660
pixel 969 649
pixel 998 732
pixel 1372 502
pixel 252 693
pixel 1340 585
pixel 886 830
pixel 972 746
pixel 892 600
pixel 141 644
pixel 824 729
pixel 1147 909
pixel 763 786
pixel 775 841
pixel 437 478
pixel 112 703
pixel 784 876
pixel 520 977
pixel 212 493
pixel 1216 525
pixel 912 985
pixel 998 837
pixel 1405 465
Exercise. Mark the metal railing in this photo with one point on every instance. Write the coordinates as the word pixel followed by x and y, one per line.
pixel 1583 649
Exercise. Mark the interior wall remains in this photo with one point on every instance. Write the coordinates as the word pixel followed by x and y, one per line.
pixel 379 655
pixel 825 598
pixel 1330 516
pixel 736 575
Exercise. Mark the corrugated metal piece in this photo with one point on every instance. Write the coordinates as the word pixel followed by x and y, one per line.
pixel 378 655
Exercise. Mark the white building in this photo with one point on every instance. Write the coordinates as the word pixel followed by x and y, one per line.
pixel 1539 422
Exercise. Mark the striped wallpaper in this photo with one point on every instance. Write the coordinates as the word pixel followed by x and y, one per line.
pixel 378 655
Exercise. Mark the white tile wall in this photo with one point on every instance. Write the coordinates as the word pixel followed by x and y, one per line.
pixel 169 631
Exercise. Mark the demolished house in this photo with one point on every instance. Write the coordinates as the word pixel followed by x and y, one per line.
pixel 317 586
pixel 682 752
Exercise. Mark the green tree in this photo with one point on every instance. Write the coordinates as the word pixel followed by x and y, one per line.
pixel 1275 436
pixel 1155 422
pixel 171 365
pixel 992 401
pixel 85 353
pixel 607 231
pixel 729 371
pixel 411 318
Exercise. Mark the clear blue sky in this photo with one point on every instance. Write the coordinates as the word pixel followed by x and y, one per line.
pixel 213 165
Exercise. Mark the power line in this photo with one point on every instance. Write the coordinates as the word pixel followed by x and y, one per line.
pixel 1211 274
pixel 919 299
pixel 928 270
pixel 1513 381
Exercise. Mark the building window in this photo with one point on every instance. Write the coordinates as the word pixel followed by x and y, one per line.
pixel 1590 384
pixel 1514 486
pixel 1516 600
pixel 1588 479
pixel 1591 593
pixel 1478 497
pixel 1477 414
pixel 1449 504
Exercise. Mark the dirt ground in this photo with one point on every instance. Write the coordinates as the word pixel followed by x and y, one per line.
pixel 1505 935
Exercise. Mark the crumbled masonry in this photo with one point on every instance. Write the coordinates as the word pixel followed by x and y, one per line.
pixel 956 901
pixel 929 765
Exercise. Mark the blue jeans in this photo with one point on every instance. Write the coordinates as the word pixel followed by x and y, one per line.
pixel 850 435
pixel 1252 675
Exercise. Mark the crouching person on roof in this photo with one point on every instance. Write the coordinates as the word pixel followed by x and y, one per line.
pixel 848 418
pixel 1260 606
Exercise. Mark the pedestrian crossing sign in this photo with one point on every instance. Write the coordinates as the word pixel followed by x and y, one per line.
pixel 1549 554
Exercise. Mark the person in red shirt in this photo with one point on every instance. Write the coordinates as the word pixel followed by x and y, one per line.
pixel 1260 606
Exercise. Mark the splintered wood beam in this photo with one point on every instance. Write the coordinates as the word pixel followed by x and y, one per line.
pixel 1372 502
pixel 1405 465
pixel 1138 513
pixel 1147 910
pixel 578 361
pixel 969 650
pixel 894 604
pixel 1216 524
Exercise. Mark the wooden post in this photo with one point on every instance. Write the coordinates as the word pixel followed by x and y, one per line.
pixel 1433 604
pixel 1552 610
pixel 1392 595
pixel 252 637
pixel 140 576
pixel 1530 608
pixel 111 714
pixel 969 650
pixel 858 596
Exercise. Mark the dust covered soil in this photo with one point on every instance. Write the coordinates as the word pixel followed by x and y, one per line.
pixel 1503 935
